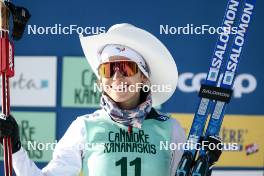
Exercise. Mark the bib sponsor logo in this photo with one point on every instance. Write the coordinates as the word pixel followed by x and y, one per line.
pixel 123 141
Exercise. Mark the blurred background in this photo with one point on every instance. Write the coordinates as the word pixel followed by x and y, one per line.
pixel 53 83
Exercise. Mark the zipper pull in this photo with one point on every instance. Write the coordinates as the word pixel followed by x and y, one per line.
pixel 129 129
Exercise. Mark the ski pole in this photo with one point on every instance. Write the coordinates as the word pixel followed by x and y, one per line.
pixel 20 17
pixel 7 70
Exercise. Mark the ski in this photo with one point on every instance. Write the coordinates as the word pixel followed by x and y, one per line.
pixel 222 90
pixel 200 117
pixel 227 82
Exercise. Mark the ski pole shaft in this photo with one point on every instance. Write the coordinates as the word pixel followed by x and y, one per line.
pixel 5 68
pixel 7 143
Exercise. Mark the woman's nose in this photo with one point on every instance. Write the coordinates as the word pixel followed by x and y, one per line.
pixel 117 75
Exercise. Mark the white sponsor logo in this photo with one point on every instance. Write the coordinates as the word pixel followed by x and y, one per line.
pixel 190 82
pixel 238 44
pixel 34 83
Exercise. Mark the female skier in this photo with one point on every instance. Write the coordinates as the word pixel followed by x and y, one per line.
pixel 126 136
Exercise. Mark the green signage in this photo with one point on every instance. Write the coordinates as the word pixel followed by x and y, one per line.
pixel 79 87
pixel 37 134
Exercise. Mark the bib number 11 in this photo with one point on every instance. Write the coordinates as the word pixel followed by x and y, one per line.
pixel 123 163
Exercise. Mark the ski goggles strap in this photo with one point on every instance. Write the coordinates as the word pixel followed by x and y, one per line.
pixel 126 68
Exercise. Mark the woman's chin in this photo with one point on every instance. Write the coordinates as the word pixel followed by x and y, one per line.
pixel 121 96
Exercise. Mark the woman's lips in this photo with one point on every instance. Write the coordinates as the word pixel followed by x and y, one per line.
pixel 119 87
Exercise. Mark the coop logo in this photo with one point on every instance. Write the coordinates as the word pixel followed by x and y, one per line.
pixel 244 83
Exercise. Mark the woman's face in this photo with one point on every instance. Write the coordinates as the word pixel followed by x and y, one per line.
pixel 123 90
